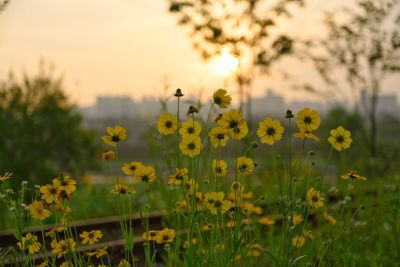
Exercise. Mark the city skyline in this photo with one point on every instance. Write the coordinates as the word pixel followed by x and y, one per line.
pixel 272 103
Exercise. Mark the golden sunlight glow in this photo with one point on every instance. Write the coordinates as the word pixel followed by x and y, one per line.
pixel 225 64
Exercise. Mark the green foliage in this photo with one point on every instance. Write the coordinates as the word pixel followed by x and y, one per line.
pixel 41 132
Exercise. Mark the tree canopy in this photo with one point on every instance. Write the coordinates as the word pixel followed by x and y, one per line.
pixel 41 133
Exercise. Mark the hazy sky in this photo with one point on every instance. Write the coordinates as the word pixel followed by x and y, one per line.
pixel 122 47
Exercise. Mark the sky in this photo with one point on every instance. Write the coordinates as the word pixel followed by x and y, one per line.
pixel 127 47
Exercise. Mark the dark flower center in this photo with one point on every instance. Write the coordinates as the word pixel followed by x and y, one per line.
pixel 145 178
pixel 243 167
pixel 217 100
pixel 191 146
pixel 233 124
pixel 217 204
pixel 315 198
pixel 307 120
pixel 179 177
pixel 168 124
pixel 340 139
pixel 190 130
pixel 132 167
pixel 218 170
pixel 115 138
pixel 122 190
pixel 271 131
pixel 220 136
pixel 210 201
pixel 165 237
pixel 53 191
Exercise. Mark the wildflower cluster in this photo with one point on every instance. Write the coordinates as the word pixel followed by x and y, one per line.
pixel 214 216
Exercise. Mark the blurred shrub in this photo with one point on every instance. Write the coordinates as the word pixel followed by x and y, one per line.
pixel 41 134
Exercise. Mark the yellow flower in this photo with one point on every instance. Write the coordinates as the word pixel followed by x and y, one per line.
pixel 131 168
pixel 235 123
pixel 308 119
pixel 62 247
pixel 303 134
pixel 314 198
pixel 245 165
pixel 115 135
pixel 216 203
pixel 66 264
pixel 91 237
pixel 251 208
pixel 340 138
pixel 218 136
pixel 121 189
pixel 38 211
pixel 145 174
pixel 220 167
pixel 98 253
pixel 308 234
pixel 5 177
pixel 52 233
pixel 166 235
pixel 254 250
pixel 190 145
pixel 49 193
pixel 266 221
pixel 179 176
pixel 353 175
pixel 269 131
pixel 151 235
pixel 167 124
pixel 108 155
pixel 329 218
pixel 124 263
pixel 30 242
pixel 207 227
pixel 65 183
pixel 298 241
pixel 297 219
pixel 221 98
pixel 190 127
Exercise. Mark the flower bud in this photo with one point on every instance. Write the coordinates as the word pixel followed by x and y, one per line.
pixel 192 109
pixel 178 93
pixel 289 114
pixel 254 144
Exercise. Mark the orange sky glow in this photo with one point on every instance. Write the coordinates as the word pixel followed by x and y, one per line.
pixel 126 47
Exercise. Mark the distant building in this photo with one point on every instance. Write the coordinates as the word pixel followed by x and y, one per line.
pixel 111 107
pixel 271 104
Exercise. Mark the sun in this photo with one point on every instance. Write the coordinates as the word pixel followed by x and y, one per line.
pixel 225 64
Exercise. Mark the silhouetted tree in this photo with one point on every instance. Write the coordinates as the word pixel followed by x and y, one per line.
pixel 363 46
pixel 41 133
pixel 3 4
pixel 242 28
